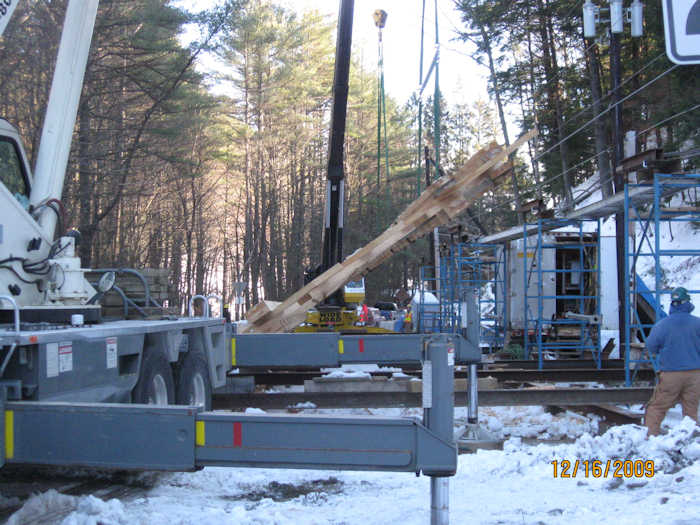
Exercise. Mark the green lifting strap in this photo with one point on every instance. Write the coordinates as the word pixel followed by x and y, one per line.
pixel 381 118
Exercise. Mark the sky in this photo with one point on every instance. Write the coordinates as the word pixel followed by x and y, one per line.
pixel 461 79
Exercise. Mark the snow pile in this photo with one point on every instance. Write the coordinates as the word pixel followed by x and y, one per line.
pixel 253 411
pixel 93 511
pixel 347 372
pixel 50 502
pixel 679 449
pixel 535 422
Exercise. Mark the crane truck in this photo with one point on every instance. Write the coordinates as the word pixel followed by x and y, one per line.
pixel 79 390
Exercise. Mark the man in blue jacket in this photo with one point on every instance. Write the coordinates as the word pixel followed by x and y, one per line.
pixel 676 339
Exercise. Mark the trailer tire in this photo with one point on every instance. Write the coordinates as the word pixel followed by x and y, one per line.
pixel 156 385
pixel 193 384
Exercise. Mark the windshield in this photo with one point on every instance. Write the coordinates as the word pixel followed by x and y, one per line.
pixel 11 172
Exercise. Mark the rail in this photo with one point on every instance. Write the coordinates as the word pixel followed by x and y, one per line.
pixel 205 301
pixel 15 308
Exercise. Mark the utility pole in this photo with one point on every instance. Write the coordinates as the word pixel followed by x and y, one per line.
pixel 617 156
pixel 618 14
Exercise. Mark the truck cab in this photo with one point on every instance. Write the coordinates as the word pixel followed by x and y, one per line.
pixel 14 169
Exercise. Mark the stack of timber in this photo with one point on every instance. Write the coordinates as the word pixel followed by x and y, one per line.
pixel 440 203
pixel 132 286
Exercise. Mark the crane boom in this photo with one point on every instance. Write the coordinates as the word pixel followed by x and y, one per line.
pixel 62 109
pixel 335 184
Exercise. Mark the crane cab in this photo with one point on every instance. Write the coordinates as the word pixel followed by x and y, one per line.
pixel 354 292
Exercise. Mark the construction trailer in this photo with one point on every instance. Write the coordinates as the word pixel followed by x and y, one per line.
pixel 539 290
pixel 568 264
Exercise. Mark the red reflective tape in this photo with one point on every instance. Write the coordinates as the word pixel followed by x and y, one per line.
pixel 237 435
pixel 362 345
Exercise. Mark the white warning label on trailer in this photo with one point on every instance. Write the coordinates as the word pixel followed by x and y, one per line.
pixel 450 356
pixel 428 384
pixel 111 352
pixel 51 359
pixel 65 356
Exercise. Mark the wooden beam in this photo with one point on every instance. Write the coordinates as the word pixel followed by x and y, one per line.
pixel 441 202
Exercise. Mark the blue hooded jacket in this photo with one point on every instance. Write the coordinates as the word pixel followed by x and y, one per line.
pixel 676 339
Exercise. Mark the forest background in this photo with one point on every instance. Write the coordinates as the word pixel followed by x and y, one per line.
pixel 224 189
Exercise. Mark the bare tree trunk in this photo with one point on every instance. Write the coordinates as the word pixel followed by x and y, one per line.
pixel 501 115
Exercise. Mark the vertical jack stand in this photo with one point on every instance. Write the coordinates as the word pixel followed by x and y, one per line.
pixel 474 437
pixel 439 501
pixel 438 416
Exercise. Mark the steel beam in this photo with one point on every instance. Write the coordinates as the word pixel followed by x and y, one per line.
pixel 145 437
pixel 100 435
pixel 502 397
pixel 316 442
pixel 272 351
pixel 297 377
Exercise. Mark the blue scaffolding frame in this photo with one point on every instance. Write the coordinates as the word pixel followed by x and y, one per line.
pixel 467 267
pixel 585 300
pixel 491 268
pixel 650 222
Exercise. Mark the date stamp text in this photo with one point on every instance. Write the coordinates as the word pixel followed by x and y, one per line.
pixel 595 468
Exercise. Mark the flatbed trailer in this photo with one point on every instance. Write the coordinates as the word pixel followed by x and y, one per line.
pixel 55 411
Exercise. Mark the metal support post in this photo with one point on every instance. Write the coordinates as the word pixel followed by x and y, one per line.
pixel 438 416
pixel 473 400
pixel 439 501
pixel 474 437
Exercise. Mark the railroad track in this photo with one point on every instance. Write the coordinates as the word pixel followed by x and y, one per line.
pixel 497 397
pixel 510 373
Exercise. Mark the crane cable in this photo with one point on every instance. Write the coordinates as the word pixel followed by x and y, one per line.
pixel 380 17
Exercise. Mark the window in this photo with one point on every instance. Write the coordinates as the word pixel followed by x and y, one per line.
pixel 11 171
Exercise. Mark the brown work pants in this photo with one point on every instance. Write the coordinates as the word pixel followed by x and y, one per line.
pixel 683 386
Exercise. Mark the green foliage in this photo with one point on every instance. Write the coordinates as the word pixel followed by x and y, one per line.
pixel 514 351
pixel 542 67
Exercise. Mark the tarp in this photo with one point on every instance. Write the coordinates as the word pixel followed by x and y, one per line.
pixel 648 296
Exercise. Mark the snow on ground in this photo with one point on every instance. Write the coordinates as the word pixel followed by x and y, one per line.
pixel 535 422
pixel 513 486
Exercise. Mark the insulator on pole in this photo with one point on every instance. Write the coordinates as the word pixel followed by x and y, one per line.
pixel 637 18
pixel 590 13
pixel 380 18
pixel 616 16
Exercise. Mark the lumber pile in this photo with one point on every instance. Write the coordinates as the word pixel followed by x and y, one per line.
pixel 440 203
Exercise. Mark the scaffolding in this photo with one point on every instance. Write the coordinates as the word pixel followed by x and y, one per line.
pixel 466 270
pixel 643 234
pixel 490 272
pixel 561 290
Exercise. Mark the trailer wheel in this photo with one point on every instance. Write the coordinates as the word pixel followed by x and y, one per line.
pixel 155 385
pixel 193 385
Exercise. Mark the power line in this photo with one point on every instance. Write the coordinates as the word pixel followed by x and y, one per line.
pixel 599 184
pixel 659 76
pixel 696 106
pixel 610 92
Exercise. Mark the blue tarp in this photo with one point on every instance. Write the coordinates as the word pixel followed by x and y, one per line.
pixel 649 297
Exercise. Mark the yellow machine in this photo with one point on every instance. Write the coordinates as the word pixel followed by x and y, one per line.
pixel 348 319
pixel 354 292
